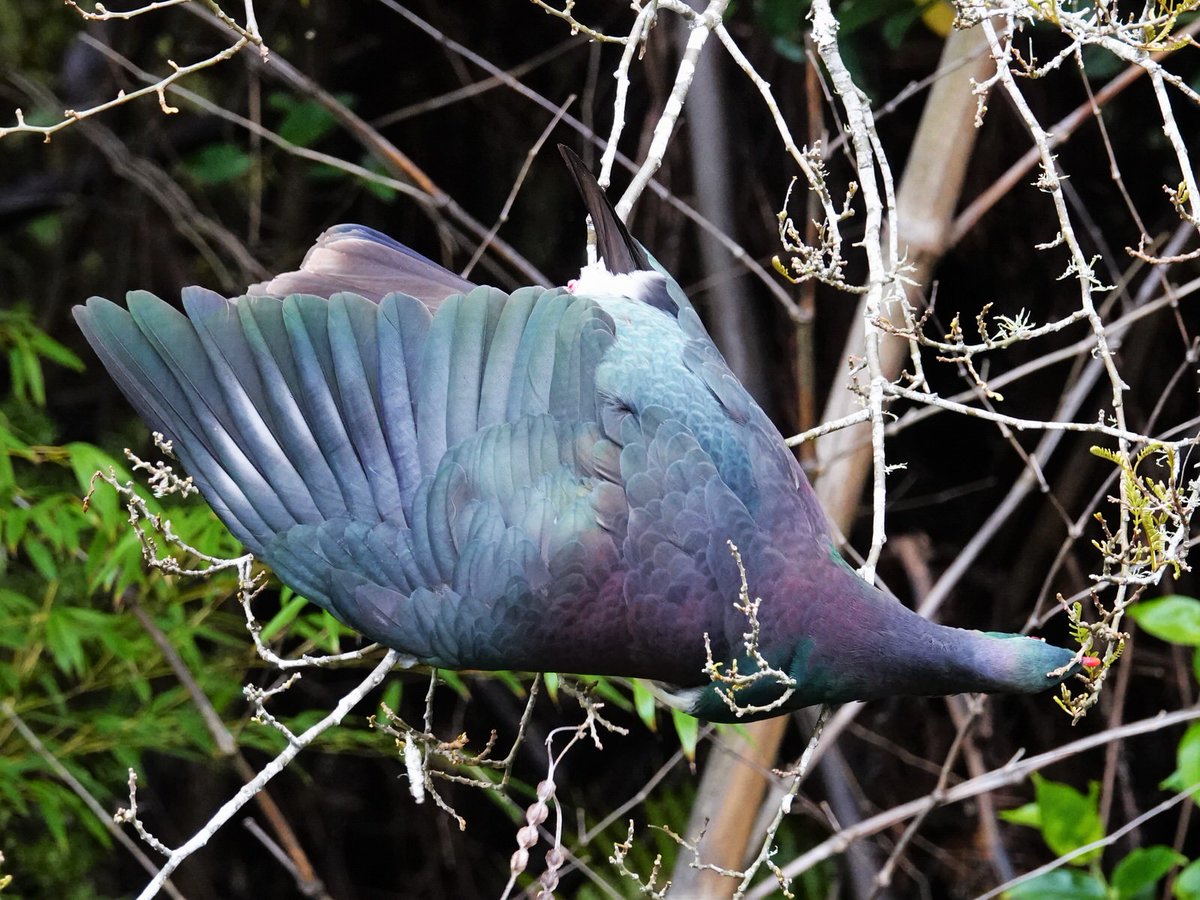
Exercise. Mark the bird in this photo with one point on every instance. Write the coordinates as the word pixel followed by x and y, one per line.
pixel 552 479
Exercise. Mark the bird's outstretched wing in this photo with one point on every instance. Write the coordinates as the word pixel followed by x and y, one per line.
pixel 450 483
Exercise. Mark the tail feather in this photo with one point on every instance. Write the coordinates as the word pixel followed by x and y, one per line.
pixel 620 252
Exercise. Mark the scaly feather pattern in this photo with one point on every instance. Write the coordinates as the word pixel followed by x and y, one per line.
pixel 543 480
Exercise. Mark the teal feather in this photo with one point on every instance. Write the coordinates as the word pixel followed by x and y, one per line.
pixel 306 324
pixel 403 324
pixel 354 348
pixel 502 355
pixel 262 325
pixel 216 323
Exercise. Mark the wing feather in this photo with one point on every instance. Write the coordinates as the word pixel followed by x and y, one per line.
pixel 363 261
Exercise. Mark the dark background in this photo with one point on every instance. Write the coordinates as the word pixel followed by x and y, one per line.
pixel 138 199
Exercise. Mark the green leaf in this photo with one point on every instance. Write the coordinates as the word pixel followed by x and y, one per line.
pixel 48 348
pixel 1061 884
pixel 8 442
pixel 608 692
pixel 15 603
pixel 1187 761
pixel 789 49
pixel 856 14
pixel 688 729
pixel 896 26
pixel 643 702
pixel 1068 819
pixel 46 229
pixel 1029 815
pixel 381 191
pixel 1143 868
pixel 283 618
pixel 65 643
pixel 305 122
pixel 50 810
pixel 217 164
pixel 86 461
pixel 1175 619
pixel 1187 885
pixel 510 681
pixel 41 557
pixel 31 365
pixel 392 694
pixel 454 681
pixel 781 18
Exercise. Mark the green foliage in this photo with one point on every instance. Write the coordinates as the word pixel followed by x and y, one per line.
pixel 1187 763
pixel 894 15
pixel 80 674
pixel 786 22
pixel 1153 505
pixel 644 704
pixel 31 38
pixel 26 346
pixel 1176 619
pixel 1173 618
pixel 1061 884
pixel 1143 868
pixel 1068 820
pixel 1187 885
pixel 688 731
pixel 217 164
pixel 76 667
pixel 304 121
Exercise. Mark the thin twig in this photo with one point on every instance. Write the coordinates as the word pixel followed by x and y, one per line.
pixel 1014 772
pixel 105 817
pixel 269 771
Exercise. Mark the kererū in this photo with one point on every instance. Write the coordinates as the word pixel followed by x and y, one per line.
pixel 542 480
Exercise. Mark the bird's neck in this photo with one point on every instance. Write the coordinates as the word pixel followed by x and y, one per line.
pixel 847 640
pixel 880 647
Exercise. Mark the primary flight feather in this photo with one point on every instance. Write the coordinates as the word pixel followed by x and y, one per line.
pixel 547 480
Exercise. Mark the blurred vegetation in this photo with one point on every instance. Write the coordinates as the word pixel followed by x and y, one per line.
pixel 91 213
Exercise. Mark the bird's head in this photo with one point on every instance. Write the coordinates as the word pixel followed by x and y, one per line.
pixel 1025 665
